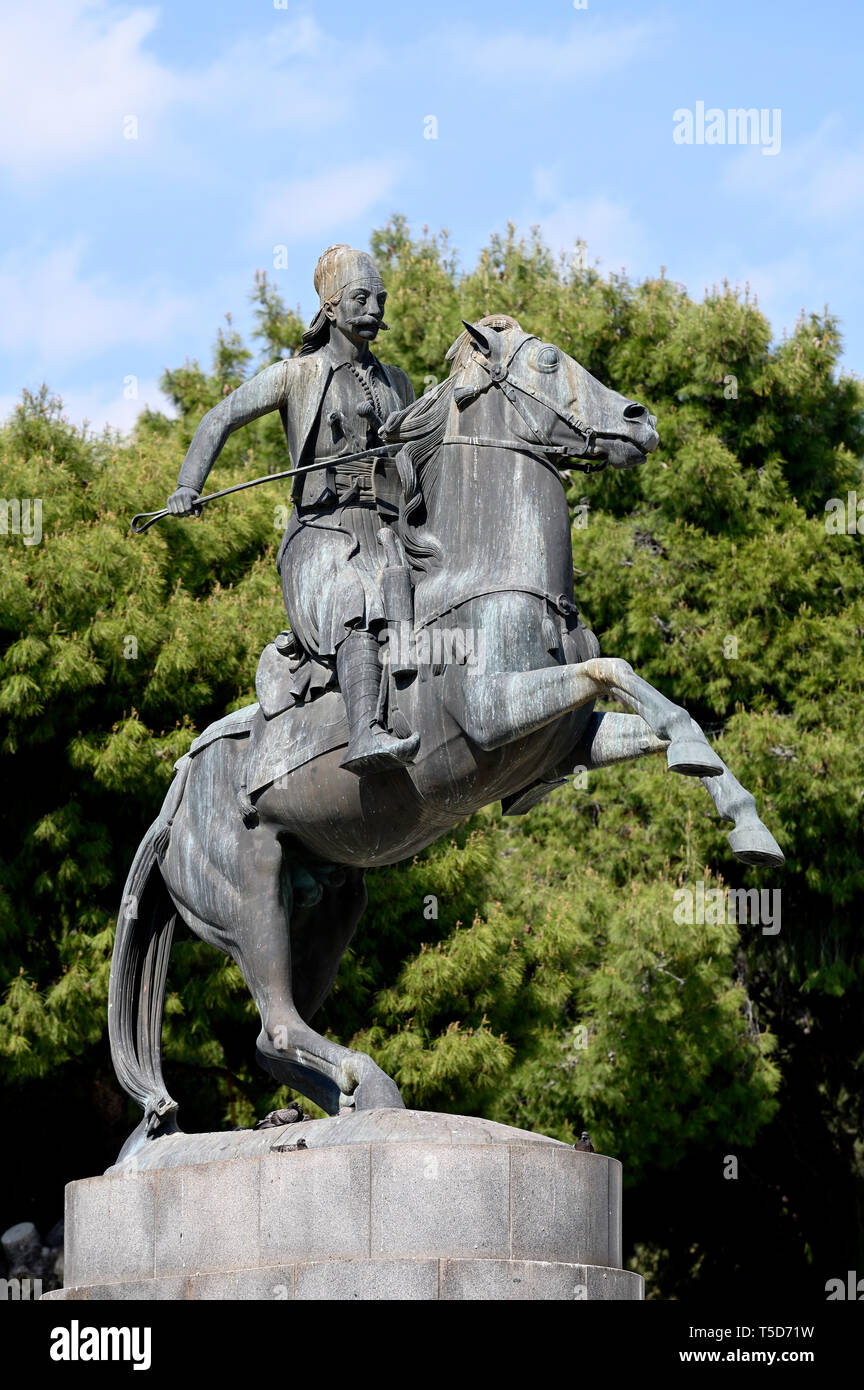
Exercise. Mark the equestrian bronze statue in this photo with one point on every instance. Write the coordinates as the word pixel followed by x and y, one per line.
pixel 436 662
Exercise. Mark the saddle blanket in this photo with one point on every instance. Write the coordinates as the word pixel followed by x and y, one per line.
pixel 279 745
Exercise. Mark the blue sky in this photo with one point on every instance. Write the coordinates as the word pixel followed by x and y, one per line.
pixel 260 125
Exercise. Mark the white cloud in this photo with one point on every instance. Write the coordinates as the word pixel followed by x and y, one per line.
pixel 820 177
pixel 323 204
pixel 53 308
pixel 106 403
pixel 8 403
pixel 781 287
pixel 584 54
pixel 70 72
pixel 546 183
pixel 799 281
pixel 784 281
pixel 103 405
pixel 279 82
pixel 608 228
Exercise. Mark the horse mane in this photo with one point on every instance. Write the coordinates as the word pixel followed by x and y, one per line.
pixel 419 428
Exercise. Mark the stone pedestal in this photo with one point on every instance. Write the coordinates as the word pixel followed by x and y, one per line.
pixel 388 1204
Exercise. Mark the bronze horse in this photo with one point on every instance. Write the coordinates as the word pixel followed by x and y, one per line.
pixel 485 525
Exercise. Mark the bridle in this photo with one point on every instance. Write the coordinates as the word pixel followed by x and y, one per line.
pixel 498 375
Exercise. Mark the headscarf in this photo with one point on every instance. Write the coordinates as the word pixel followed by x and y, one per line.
pixel 338 267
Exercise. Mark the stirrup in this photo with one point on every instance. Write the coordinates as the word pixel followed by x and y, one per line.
pixel 396 753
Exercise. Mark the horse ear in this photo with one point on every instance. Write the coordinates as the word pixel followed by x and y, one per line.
pixel 479 338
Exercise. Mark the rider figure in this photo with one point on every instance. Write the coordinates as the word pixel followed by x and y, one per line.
pixel 332 397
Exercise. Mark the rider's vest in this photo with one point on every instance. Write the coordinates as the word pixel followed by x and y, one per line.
pixel 355 403
pixel 316 390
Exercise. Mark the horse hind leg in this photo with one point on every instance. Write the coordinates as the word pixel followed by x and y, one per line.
pixel 325 903
pixel 228 883
pixel 287 1048
pixel 288 983
pixel 323 1071
pixel 613 738
pixel 328 902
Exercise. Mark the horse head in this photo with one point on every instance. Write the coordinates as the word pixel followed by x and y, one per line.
pixel 507 390
pixel 557 406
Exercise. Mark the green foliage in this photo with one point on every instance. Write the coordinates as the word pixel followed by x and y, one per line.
pixel 527 969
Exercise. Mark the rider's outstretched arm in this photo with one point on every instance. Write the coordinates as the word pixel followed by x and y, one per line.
pixel 264 392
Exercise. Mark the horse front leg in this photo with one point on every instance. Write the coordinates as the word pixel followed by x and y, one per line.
pixel 495 708
pixel 614 738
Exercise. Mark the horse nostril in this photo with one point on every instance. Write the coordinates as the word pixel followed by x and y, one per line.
pixel 635 412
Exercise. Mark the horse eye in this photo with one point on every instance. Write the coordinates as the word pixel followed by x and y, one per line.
pixel 547 359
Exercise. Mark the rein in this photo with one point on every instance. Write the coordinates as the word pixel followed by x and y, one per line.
pixel 522 446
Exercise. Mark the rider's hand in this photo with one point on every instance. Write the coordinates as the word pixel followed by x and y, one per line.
pixel 182 502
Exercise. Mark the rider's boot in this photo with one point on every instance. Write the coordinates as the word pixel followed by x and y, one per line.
pixel 371 748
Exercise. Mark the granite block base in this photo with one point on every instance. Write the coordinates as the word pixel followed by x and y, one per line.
pixel 384 1205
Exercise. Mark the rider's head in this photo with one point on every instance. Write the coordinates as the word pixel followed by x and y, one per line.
pixel 352 296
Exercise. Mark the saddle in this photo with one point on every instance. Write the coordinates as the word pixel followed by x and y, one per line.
pixel 278 745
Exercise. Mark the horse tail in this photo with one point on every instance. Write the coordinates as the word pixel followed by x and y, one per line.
pixel 136 992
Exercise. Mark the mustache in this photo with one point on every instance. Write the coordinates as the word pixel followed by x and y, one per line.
pixel 367 321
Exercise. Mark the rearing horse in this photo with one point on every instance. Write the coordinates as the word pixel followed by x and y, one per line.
pixel 503 700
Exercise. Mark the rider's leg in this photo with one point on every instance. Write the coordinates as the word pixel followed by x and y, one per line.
pixel 371 748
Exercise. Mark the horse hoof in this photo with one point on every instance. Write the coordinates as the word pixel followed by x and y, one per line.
pixel 693 758
pixel 378 1092
pixel 756 845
